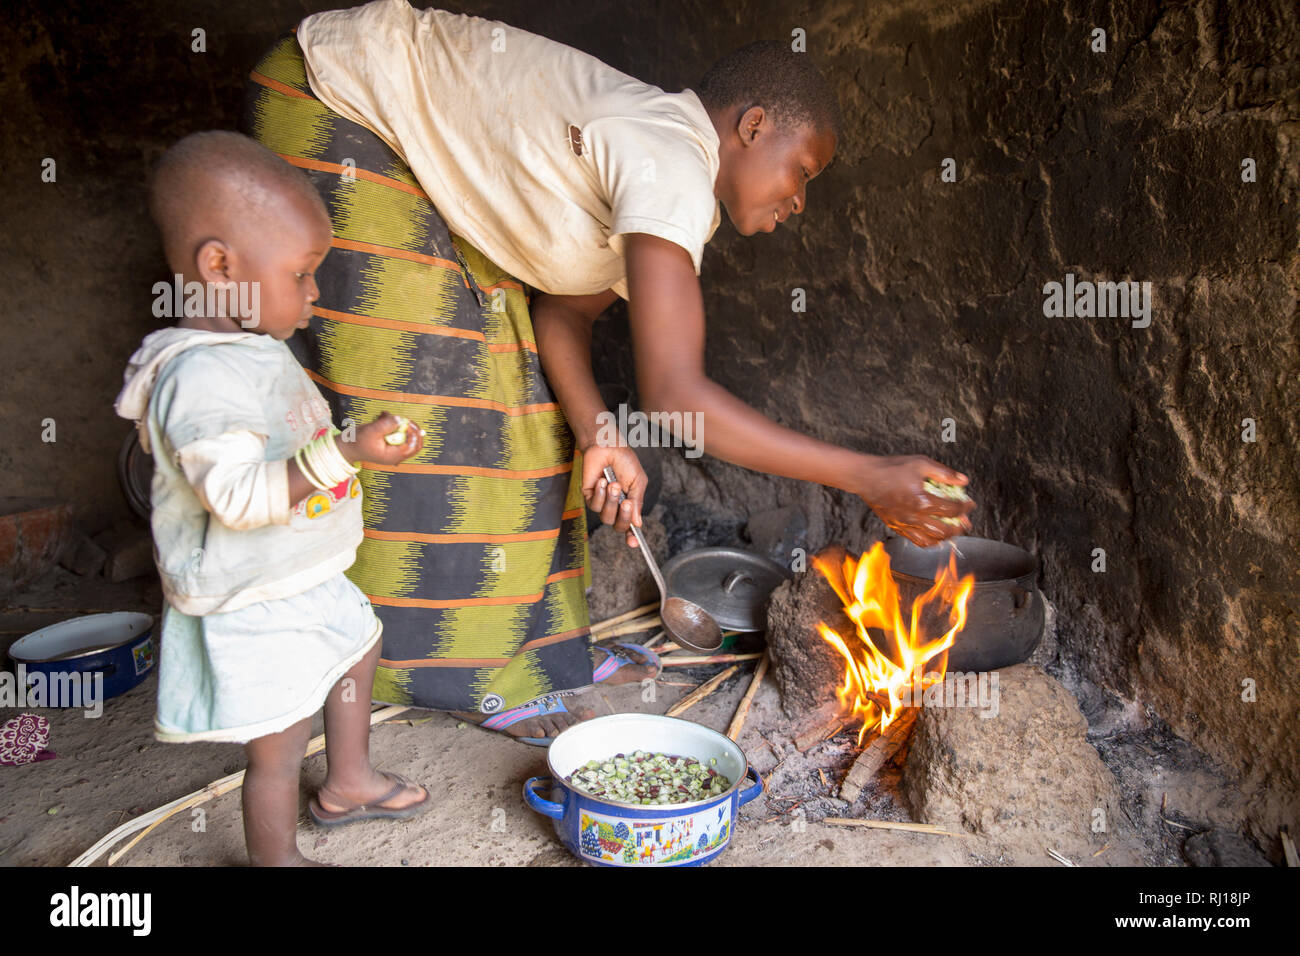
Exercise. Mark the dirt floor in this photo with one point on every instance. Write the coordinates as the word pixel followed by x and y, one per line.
pixel 111 769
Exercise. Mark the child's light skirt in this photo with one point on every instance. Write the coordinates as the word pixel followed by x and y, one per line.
pixel 259 670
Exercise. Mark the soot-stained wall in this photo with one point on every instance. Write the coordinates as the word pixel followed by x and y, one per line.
pixel 924 297
pixel 925 302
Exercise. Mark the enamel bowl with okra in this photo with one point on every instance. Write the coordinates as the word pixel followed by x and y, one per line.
pixel 644 790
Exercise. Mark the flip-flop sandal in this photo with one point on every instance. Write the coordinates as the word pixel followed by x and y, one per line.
pixel 370 811
pixel 617 659
pixel 541 707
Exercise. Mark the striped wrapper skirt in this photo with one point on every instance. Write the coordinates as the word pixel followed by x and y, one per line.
pixel 475 550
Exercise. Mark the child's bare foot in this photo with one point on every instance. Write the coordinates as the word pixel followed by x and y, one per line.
pixel 540 720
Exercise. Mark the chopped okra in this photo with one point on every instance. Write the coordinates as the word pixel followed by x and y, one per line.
pixel 951 492
pixel 649 778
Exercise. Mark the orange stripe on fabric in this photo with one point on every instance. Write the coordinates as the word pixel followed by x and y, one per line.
pixel 464 538
pixel 487 661
pixel 453 401
pixel 475 602
pixel 419 328
pixel 503 284
pixel 553 639
pixel 449 662
pixel 279 87
pixel 357 171
pixel 471 538
pixel 394 253
pixel 377 323
pixel 478 472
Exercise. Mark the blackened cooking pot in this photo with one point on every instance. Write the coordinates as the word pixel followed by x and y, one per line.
pixel 1005 614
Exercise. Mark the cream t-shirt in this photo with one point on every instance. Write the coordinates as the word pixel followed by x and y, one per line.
pixel 538 154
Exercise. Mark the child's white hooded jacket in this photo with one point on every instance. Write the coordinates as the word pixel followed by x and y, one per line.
pixel 221 413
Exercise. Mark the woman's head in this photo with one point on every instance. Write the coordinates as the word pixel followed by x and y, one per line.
pixel 778 124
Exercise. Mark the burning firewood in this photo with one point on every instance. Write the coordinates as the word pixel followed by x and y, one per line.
pixel 888 657
pixel 877 754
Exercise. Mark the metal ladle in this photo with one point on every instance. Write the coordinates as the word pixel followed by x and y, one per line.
pixel 685 621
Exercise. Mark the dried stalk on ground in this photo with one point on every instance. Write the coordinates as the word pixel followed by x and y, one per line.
pixel 627 627
pixel 701 692
pixel 609 622
pixel 888 825
pixel 714 659
pixel 818 733
pixel 742 711
pixel 148 821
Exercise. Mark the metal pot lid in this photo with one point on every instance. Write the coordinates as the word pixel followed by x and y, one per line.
pixel 731 584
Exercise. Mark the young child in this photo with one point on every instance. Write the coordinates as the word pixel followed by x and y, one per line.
pixel 256 507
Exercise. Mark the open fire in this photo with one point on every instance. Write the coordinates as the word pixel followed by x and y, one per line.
pixel 890 659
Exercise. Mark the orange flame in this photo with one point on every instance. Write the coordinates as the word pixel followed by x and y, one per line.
pixel 884 673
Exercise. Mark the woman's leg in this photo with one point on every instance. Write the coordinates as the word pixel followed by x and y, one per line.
pixel 350 780
pixel 271 796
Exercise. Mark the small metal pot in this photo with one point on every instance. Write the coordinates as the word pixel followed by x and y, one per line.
pixel 118 645
pixel 609 833
pixel 1005 614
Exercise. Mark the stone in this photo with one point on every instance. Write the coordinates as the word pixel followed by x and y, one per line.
pixel 1026 772
pixel 807 669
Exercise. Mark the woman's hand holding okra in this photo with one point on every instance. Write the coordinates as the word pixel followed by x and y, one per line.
pixel 917 497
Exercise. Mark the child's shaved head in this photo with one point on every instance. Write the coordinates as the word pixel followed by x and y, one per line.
pixel 771 75
pixel 223 185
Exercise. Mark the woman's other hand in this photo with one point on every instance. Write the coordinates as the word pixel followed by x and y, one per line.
pixel 602 497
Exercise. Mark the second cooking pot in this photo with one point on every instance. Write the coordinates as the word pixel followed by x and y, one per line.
pixel 1005 614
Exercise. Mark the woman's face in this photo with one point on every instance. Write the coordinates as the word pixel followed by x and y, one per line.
pixel 766 170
